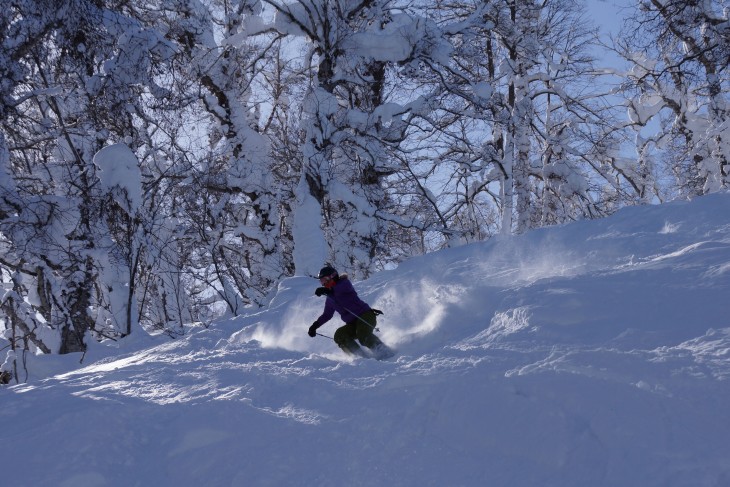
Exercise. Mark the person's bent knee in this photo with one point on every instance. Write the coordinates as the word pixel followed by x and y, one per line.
pixel 340 337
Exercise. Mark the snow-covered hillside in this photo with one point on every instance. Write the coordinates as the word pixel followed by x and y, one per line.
pixel 594 354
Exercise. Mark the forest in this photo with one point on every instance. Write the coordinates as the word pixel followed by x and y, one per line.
pixel 167 162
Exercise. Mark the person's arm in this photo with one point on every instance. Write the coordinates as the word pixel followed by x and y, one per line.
pixel 329 311
pixel 327 314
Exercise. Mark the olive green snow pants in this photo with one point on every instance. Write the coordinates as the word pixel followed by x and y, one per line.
pixel 361 329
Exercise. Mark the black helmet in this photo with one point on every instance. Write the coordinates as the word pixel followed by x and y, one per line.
pixel 327 271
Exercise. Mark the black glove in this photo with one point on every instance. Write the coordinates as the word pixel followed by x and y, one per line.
pixel 376 311
pixel 322 291
pixel 313 330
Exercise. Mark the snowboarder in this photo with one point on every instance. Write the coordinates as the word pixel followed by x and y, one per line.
pixel 360 319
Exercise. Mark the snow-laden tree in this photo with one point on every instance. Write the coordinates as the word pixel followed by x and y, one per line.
pixel 234 198
pixel 677 87
pixel 349 129
pixel 522 137
pixel 53 203
pixel 80 76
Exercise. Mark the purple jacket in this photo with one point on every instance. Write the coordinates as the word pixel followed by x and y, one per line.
pixel 345 301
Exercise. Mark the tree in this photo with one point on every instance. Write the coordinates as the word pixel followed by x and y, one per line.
pixel 348 133
pixel 82 74
pixel 233 205
pixel 680 51
pixel 518 135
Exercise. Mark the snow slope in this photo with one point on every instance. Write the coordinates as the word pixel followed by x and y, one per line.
pixel 593 354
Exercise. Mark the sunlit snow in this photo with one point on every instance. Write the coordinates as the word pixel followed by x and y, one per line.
pixel 592 354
